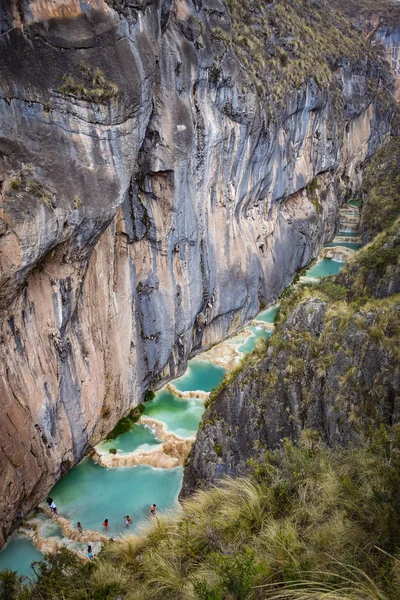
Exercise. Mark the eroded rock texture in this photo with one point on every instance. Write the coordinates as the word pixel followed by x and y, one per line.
pixel 149 199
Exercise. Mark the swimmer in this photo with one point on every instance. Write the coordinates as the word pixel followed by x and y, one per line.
pixel 89 552
pixel 128 520
pixel 153 510
pixel 79 526
pixel 105 523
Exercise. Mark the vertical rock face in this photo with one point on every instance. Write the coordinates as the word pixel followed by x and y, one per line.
pixel 149 199
pixel 331 371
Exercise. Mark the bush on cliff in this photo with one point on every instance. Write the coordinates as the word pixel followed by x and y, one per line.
pixel 126 423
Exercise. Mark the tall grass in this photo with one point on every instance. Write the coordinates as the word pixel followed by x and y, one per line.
pixel 307 524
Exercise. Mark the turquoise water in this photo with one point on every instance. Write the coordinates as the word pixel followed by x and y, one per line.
pixel 200 375
pixel 139 437
pixel 18 554
pixel 90 493
pixel 180 416
pixel 48 528
pixel 355 203
pixel 348 234
pixel 352 245
pixel 258 333
pixel 268 316
pixel 324 267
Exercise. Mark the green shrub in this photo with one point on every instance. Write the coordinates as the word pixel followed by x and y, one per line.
pixel 218 449
pixel 28 184
pixel 381 185
pixel 149 395
pixel 94 88
pixel 10 585
pixel 15 184
pixel 113 451
pixel 126 423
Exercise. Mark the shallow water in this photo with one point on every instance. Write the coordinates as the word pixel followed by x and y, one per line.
pixel 48 528
pixel 258 333
pixel 181 416
pixel 140 437
pixel 347 234
pixel 324 267
pixel 90 493
pixel 18 554
pixel 268 316
pixel 352 245
pixel 200 375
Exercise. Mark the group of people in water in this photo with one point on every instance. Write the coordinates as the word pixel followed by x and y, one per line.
pixel 128 520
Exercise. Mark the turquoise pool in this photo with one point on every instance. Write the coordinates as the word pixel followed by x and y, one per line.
pixel 323 268
pixel 200 375
pixel 17 555
pixel 258 333
pixel 181 416
pixel 140 437
pixel 90 493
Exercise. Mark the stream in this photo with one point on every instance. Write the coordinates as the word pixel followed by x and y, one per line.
pixel 90 493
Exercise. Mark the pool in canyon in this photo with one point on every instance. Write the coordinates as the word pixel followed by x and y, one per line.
pixel 90 493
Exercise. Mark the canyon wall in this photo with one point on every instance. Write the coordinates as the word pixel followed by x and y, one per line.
pixel 151 197
pixel 331 370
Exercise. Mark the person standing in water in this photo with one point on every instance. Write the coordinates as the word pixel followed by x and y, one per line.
pixel 79 526
pixel 153 510
pixel 105 523
pixel 128 520
pixel 89 552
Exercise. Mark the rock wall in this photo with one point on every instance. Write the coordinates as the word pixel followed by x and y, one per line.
pixel 149 201
pixel 331 371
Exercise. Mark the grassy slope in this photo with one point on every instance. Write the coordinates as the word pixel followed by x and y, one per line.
pixel 283 43
pixel 387 10
pixel 382 185
pixel 308 522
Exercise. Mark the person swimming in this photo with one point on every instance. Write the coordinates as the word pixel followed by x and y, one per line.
pixel 105 523
pixel 79 527
pixel 89 552
pixel 128 520
pixel 153 510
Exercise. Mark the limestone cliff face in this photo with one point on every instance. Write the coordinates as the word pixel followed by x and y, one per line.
pixel 149 199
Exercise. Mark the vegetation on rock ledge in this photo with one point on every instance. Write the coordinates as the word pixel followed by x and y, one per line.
pixel 93 88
